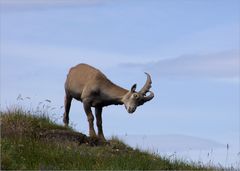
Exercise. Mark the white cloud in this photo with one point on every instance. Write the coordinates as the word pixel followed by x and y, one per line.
pixel 61 56
pixel 41 4
pixel 171 142
pixel 46 2
pixel 217 65
pixel 56 55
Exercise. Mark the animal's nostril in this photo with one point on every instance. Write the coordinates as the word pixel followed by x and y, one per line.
pixel 132 109
pixel 129 109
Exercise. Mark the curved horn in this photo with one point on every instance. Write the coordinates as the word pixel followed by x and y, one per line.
pixel 149 97
pixel 147 85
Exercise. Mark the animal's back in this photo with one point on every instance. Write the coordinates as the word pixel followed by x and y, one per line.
pixel 82 77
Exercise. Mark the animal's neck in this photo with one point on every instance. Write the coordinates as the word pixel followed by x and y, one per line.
pixel 116 94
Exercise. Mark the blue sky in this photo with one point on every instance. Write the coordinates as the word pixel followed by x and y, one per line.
pixel 191 49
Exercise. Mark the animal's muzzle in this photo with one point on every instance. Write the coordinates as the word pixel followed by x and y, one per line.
pixel 131 109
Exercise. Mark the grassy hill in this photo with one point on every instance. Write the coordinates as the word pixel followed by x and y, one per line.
pixel 35 142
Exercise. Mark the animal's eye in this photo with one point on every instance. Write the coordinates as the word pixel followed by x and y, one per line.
pixel 135 96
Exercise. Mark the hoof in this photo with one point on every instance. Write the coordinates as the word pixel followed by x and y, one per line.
pixel 102 138
pixel 65 123
pixel 92 134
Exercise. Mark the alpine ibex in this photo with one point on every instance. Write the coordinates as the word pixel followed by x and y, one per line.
pixel 90 86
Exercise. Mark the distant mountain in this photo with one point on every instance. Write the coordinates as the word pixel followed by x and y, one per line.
pixel 172 142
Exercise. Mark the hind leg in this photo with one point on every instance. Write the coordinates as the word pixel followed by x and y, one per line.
pixel 90 117
pixel 67 105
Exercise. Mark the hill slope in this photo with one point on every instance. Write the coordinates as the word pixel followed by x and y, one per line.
pixel 35 142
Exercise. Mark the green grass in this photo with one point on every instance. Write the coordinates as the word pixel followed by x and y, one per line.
pixel 22 147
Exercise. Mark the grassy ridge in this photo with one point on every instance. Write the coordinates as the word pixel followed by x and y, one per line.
pixel 23 146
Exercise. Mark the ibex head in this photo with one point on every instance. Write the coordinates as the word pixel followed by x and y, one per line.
pixel 134 99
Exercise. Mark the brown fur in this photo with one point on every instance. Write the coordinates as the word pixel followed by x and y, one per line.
pixel 90 86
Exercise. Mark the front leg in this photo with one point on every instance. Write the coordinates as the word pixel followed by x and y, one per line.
pixel 98 114
pixel 67 105
pixel 90 117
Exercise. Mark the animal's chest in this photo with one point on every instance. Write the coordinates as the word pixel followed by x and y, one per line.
pixel 100 99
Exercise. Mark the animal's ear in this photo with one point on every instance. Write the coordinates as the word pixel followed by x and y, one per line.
pixel 133 87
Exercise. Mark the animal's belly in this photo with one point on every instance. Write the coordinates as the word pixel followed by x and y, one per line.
pixel 76 95
pixel 96 103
